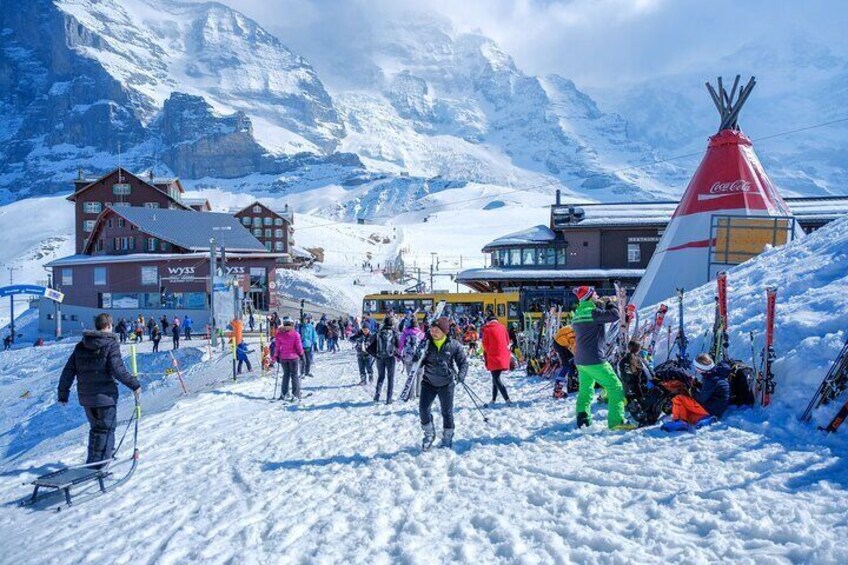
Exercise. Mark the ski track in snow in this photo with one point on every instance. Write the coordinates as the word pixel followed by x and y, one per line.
pixel 226 476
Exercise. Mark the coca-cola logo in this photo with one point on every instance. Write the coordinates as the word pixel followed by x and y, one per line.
pixel 730 187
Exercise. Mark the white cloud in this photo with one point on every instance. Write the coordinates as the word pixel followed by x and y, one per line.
pixel 594 42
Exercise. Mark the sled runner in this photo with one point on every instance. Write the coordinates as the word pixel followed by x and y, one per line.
pixel 76 476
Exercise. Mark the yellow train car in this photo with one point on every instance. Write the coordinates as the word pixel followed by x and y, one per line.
pixel 505 305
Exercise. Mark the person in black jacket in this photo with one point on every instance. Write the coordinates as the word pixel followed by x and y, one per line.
pixel 365 360
pixel 444 364
pixel 97 365
pixel 175 333
pixel 383 346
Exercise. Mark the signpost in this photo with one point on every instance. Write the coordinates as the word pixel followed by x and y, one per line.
pixel 33 290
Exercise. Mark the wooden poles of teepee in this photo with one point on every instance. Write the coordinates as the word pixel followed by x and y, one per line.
pixel 727 107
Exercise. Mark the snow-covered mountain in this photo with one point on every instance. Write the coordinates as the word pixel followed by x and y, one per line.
pixel 202 90
pixel 800 83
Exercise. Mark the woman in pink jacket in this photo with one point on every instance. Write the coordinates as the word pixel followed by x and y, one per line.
pixel 288 349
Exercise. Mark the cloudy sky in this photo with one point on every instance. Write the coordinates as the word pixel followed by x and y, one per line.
pixel 594 42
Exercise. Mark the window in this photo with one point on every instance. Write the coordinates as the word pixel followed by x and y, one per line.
pixel 257 209
pixel 92 207
pixel 515 257
pixel 88 225
pixel 503 257
pixel 151 204
pixel 121 189
pixel 268 245
pixel 174 193
pixel 125 300
pixel 257 232
pixel 149 276
pixel 278 234
pixel 109 223
pixel 547 256
pixel 560 254
pixel 257 276
pixel 122 205
pixel 67 277
pixel 99 276
pixel 278 246
pixel 99 246
pixel 278 221
pixel 268 233
pixel 165 246
pixel 529 256
pixel 257 222
pixel 151 244
pixel 634 253
pixel 246 221
pixel 121 222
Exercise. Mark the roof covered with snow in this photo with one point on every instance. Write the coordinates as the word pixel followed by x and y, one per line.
pixel 498 273
pixel 536 235
pixel 191 230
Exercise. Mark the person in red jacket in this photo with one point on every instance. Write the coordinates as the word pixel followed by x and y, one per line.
pixel 496 354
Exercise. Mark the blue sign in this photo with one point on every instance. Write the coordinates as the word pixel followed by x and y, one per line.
pixel 31 289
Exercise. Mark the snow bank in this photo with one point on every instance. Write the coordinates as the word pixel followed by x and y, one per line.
pixel 811 275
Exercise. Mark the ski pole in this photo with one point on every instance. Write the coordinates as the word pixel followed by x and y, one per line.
pixel 276 379
pixel 471 396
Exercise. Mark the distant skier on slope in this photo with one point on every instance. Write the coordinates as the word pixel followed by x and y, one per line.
pixel 706 405
pixel 96 364
pixel 590 319
pixel 444 365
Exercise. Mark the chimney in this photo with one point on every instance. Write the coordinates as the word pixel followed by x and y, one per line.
pixel 80 174
pixel 558 194
pixel 150 173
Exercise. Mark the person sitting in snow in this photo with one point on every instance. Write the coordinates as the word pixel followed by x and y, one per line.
pixel 705 405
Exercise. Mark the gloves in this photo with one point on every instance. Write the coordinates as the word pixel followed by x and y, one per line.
pixel 137 393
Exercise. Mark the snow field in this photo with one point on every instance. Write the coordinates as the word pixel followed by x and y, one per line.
pixel 226 476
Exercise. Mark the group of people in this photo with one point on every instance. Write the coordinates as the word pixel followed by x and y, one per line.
pixel 135 330
pixel 703 399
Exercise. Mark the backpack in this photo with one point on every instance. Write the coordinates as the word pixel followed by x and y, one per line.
pixel 741 378
pixel 386 343
pixel 410 346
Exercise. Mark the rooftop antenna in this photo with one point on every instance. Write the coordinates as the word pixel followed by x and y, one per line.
pixel 729 105
pixel 120 173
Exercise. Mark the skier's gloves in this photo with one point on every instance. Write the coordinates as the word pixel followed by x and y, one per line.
pixel 137 393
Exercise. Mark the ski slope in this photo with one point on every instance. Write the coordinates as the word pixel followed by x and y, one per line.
pixel 226 476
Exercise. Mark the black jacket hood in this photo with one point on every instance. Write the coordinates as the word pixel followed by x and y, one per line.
pixel 92 339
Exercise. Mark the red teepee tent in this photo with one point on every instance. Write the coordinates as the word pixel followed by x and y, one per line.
pixel 709 231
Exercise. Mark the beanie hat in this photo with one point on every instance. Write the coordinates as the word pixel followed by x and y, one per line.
pixel 704 365
pixel 388 321
pixel 583 292
pixel 443 324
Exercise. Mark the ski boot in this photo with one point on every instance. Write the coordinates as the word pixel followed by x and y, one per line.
pixel 583 420
pixel 447 438
pixel 429 436
pixel 388 401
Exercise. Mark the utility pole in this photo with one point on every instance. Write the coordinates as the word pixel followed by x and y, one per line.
pixel 213 268
pixel 12 301
pixel 432 262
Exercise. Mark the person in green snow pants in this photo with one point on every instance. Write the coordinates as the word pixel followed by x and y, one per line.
pixel 589 323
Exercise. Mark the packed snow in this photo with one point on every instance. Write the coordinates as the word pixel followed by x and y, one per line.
pixel 228 476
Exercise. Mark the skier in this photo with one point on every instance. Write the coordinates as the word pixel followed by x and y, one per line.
pixel 384 346
pixel 563 345
pixel 188 324
pixel 589 321
pixel 96 364
pixel 121 330
pixel 242 356
pixel 156 337
pixel 164 322
pixel 470 337
pixel 496 355
pixel 251 321
pixel 408 345
pixel 444 364
pixel 333 332
pixel 307 339
pixel 175 332
pixel 289 349
pixel 361 340
pixel 7 342
pixel 139 329
pixel 705 406
pixel 321 331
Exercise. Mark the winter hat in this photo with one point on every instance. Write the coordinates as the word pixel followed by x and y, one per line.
pixel 307 316
pixel 287 321
pixel 583 292
pixel 443 324
pixel 703 363
pixel 388 321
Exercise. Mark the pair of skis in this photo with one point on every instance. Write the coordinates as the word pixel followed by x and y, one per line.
pixel 833 384
pixel 764 383
pixel 721 339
